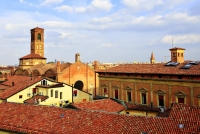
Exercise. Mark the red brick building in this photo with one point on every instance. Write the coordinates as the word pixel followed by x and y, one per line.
pixel 154 84
pixel 78 74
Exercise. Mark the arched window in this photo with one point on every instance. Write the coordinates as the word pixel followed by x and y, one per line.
pixel 39 36
pixel 78 85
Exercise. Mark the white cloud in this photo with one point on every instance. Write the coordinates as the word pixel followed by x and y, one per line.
pixel 64 8
pixel 64 35
pixel 80 9
pixel 102 20
pixel 181 39
pixel 147 5
pixel 107 45
pixel 21 1
pixel 50 2
pixel 95 5
pixel 142 4
pixel 105 5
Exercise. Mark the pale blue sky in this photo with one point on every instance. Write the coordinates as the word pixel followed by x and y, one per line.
pixel 103 30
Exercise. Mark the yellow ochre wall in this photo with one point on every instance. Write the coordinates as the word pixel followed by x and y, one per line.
pixel 24 93
pixel 66 95
pixel 140 112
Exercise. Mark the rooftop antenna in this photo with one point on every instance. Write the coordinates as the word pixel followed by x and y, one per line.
pixel 172 42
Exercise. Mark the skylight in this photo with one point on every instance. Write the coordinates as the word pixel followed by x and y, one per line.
pixel 194 62
pixel 172 63
pixel 187 66
pixel 190 64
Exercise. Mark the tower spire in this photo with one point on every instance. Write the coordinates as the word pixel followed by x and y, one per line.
pixel 152 59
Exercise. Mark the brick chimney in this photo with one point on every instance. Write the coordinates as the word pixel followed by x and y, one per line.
pixel 96 65
pixel 58 67
pixel 77 57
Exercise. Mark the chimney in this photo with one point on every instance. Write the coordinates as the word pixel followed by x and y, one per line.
pixel 58 67
pixel 13 84
pixel 12 71
pixel 77 57
pixel 96 65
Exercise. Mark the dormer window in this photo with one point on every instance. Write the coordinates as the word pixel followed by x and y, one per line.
pixel 44 82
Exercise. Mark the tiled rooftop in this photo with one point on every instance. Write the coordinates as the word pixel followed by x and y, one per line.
pixel 27 118
pixel 30 56
pixel 17 83
pixel 106 105
pixel 141 107
pixel 35 99
pixel 154 69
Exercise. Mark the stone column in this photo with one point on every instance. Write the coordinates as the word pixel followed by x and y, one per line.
pixel 135 99
pixel 110 90
pixel 121 91
pixel 151 92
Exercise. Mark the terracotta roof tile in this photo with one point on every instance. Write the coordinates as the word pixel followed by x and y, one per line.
pixel 154 69
pixel 141 107
pixel 25 118
pixel 35 99
pixel 17 83
pixel 106 105
pixel 31 56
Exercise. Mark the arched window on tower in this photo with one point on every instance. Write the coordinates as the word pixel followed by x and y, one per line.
pixel 39 36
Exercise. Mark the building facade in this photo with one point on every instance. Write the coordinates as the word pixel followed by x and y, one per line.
pixel 154 84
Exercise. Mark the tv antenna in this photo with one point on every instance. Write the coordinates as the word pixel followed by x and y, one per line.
pixel 172 42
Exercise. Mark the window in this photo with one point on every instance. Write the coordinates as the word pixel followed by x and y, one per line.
pixel 127 112
pixel 180 100
pixel 128 96
pixel 161 100
pixel 174 54
pixel 159 76
pixel 60 95
pixel 144 98
pixel 39 36
pixel 116 94
pixel 178 55
pixel 51 93
pixel 56 94
pixel 75 93
pixel 20 96
pixel 179 77
pixel 181 54
pixel 44 82
pixel 34 90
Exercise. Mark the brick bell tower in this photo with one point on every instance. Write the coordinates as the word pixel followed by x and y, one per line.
pixel 37 41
